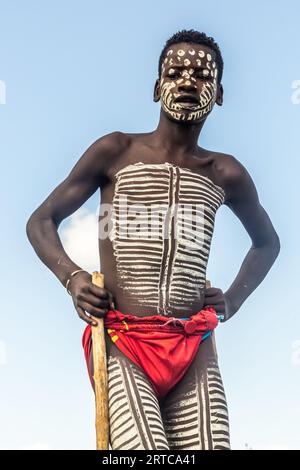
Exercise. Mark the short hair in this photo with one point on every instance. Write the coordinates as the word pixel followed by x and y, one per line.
pixel 194 37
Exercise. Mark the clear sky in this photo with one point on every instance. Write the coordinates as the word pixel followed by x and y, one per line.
pixel 73 71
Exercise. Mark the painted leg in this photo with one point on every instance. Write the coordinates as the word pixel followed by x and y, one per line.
pixel 194 413
pixel 134 411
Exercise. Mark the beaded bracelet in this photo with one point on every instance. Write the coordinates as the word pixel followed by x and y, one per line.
pixel 73 274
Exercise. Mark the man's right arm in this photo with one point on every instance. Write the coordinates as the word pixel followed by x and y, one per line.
pixel 89 173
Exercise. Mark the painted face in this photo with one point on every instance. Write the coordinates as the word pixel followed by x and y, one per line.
pixel 188 69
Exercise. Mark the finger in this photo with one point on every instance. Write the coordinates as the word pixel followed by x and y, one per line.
pixel 96 301
pixel 210 306
pixel 111 301
pixel 98 291
pixel 215 300
pixel 85 317
pixel 220 309
pixel 212 291
pixel 96 312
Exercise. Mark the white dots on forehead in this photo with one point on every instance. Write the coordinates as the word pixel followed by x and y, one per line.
pixel 181 52
pixel 166 60
pixel 205 72
pixel 208 65
pixel 216 72
pixel 192 51
pixel 186 62
pixel 201 54
pixel 214 65
pixel 198 62
pixel 191 71
pixel 208 56
pixel 170 52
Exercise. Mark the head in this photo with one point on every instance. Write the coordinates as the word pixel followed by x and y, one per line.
pixel 189 77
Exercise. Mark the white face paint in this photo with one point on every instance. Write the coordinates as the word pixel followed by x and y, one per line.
pixel 181 67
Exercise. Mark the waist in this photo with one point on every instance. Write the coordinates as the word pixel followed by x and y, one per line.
pixel 199 323
pixel 139 307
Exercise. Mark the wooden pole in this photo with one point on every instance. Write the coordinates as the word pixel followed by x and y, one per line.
pixel 100 376
pixel 208 286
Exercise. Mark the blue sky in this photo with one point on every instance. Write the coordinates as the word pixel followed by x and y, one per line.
pixel 71 72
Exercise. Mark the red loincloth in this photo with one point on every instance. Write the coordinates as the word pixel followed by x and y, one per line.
pixel 163 347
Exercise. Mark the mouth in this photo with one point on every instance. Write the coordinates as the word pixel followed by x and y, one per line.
pixel 191 100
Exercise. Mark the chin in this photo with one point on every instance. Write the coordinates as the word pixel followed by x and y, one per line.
pixel 185 119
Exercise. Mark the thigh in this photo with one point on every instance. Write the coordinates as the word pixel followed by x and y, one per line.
pixel 134 411
pixel 194 412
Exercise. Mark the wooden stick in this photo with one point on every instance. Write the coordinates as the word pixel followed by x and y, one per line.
pixel 100 376
pixel 208 286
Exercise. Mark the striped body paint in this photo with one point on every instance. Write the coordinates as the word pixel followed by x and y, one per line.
pixel 163 222
pixel 193 416
pixel 197 417
pixel 134 413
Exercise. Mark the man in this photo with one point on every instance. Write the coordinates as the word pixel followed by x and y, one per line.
pixel 165 387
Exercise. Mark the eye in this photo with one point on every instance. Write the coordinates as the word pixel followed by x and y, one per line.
pixel 173 75
pixel 203 76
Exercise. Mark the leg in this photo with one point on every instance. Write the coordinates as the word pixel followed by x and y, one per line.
pixel 134 412
pixel 195 412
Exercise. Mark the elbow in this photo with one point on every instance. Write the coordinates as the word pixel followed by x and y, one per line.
pixel 33 224
pixel 30 226
pixel 37 222
pixel 272 244
pixel 277 245
pixel 274 247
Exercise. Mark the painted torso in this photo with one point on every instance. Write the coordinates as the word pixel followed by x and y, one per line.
pixel 155 257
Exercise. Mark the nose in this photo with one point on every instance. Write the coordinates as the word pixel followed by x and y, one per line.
pixel 187 88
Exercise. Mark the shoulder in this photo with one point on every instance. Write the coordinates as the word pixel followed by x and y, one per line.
pixel 113 142
pixel 233 177
pixel 104 151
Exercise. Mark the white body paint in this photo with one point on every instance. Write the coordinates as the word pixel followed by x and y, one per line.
pixel 163 266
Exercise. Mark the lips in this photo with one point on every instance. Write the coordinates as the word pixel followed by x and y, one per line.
pixel 192 99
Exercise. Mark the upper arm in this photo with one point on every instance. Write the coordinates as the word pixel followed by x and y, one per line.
pixel 242 198
pixel 88 174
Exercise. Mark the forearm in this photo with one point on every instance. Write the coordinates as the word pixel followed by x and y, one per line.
pixel 255 267
pixel 43 236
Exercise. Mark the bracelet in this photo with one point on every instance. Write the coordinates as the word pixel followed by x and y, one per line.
pixel 73 274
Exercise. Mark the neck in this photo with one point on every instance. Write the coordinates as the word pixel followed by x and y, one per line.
pixel 177 136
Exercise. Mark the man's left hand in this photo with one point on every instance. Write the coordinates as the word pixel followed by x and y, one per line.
pixel 216 298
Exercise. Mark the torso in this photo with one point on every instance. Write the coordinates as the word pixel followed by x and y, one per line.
pixel 148 272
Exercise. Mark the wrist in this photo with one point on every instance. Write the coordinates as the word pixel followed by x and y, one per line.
pixel 71 276
pixel 230 307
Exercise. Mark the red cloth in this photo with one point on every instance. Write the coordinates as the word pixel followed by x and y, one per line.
pixel 163 347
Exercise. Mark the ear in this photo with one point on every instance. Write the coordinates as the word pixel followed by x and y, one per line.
pixel 219 99
pixel 156 93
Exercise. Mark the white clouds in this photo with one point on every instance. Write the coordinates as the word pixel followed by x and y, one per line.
pixel 295 98
pixel 80 239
